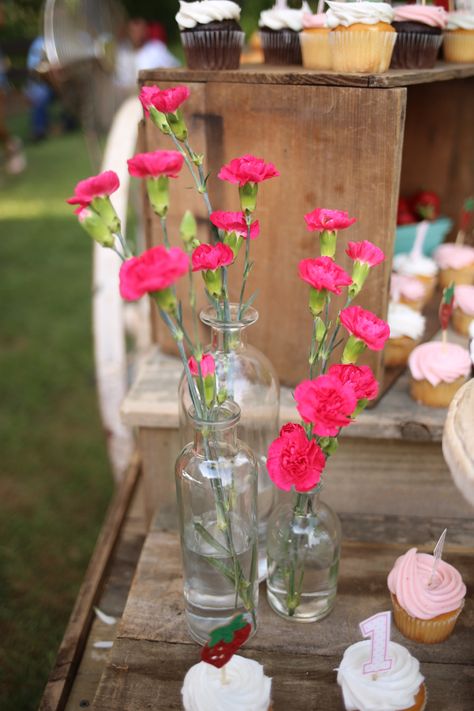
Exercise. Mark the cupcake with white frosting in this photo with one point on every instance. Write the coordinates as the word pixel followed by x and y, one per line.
pixel 280 28
pixel 438 370
pixel 244 687
pixel 456 263
pixel 419 35
pixel 362 36
pixel 211 34
pixel 419 267
pixel 407 290
pixel 401 688
pixel 315 42
pixel 463 314
pixel 406 330
pixel 459 37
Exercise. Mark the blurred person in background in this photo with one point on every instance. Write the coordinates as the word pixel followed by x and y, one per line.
pixel 39 93
pixel 15 161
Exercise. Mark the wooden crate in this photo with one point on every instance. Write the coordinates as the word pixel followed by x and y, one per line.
pixel 338 141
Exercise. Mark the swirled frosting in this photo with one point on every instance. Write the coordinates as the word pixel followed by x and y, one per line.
pixel 454 256
pixel 413 265
pixel 191 14
pixel 350 13
pixel 461 20
pixel 403 321
pixel 284 18
pixel 406 287
pixel 314 22
pixel 386 691
pixel 464 298
pixel 439 362
pixel 410 580
pixel 247 687
pixel 426 14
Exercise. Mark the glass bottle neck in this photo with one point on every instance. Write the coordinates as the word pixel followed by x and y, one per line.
pixel 211 440
pixel 306 503
pixel 227 339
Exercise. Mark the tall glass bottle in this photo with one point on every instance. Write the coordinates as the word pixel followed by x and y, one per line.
pixel 303 543
pixel 245 376
pixel 216 486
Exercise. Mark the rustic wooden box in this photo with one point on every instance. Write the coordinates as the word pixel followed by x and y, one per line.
pixel 340 141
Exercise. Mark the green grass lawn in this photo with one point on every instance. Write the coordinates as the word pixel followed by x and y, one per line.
pixel 55 481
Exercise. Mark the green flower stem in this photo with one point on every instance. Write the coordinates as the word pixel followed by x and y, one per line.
pixel 248 220
pixel 164 229
pixel 119 254
pixel 124 244
pixel 293 597
pixel 202 178
pixel 333 339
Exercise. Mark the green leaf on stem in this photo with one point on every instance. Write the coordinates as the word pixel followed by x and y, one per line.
pixel 211 540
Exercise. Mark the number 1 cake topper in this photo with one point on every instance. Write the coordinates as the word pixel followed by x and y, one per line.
pixel 224 642
pixel 377 628
pixel 437 554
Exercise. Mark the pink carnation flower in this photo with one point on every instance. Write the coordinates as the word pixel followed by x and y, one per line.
pixel 323 273
pixel 365 326
pixel 154 270
pixel 208 366
pixel 234 222
pixel 156 163
pixel 360 378
pixel 327 403
pixel 101 185
pixel 211 257
pixel 167 101
pixel 322 219
pixel 247 169
pixel 294 460
pixel 365 252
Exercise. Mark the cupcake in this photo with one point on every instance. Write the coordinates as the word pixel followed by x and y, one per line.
pixel 407 290
pixel 459 37
pixel 315 42
pixel 245 687
pixel 362 36
pixel 425 607
pixel 401 688
pixel 406 329
pixel 463 314
pixel 456 263
pixel 211 35
pixel 280 29
pixel 419 36
pixel 438 370
pixel 419 266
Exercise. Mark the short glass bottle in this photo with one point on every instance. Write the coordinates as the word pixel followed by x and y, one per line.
pixel 245 376
pixel 303 549
pixel 216 487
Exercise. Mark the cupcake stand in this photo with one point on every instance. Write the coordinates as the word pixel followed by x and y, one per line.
pixel 340 140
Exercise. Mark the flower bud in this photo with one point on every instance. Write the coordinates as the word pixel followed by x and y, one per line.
pixel 158 194
pixel 159 119
pixel 188 227
pixel 248 196
pixel 177 125
pixel 95 227
pixel 327 242
pixel 329 445
pixel 104 208
pixel 213 281
pixel 360 272
pixel 317 299
pixel 166 300
pixel 234 241
pixel 353 349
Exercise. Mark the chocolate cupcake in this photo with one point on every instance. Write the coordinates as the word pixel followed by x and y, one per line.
pixel 419 36
pixel 210 33
pixel 280 29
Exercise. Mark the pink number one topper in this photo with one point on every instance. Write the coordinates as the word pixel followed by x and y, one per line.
pixel 437 554
pixel 377 628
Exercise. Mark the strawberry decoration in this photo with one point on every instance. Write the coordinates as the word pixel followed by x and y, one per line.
pixel 426 205
pixel 466 214
pixel 225 641
pixel 404 214
pixel 446 307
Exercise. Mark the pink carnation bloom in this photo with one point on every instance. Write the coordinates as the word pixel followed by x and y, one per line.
pixel 156 163
pixel 101 185
pixel 208 366
pixel 211 257
pixel 365 326
pixel 294 460
pixel 234 222
pixel 323 273
pixel 247 169
pixel 327 403
pixel 154 270
pixel 167 101
pixel 322 219
pixel 365 252
pixel 359 377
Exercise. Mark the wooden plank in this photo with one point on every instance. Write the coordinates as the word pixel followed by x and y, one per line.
pixel 75 637
pixel 262 74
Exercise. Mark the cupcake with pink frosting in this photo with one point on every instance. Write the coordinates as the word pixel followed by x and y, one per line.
pixel 419 35
pixel 407 290
pixel 463 314
pixel 315 41
pixel 437 370
pixel 456 263
pixel 426 604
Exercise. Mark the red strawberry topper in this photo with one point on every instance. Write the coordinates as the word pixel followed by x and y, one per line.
pixel 446 307
pixel 465 218
pixel 404 214
pixel 225 641
pixel 426 205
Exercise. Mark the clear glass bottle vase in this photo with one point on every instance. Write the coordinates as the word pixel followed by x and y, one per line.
pixel 303 548
pixel 216 486
pixel 245 376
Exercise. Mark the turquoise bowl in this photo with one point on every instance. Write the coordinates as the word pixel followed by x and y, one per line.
pixel 437 231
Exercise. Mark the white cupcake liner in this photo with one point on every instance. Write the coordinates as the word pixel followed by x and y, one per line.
pixel 459 47
pixel 281 47
pixel 363 52
pixel 213 49
pixel 415 50
pixel 315 50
